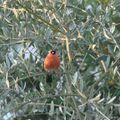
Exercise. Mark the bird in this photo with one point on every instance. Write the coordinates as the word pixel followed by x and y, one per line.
pixel 51 64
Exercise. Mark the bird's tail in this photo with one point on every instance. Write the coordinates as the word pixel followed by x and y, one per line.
pixel 49 78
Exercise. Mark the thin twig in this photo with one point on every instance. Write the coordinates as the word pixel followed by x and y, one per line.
pixel 100 112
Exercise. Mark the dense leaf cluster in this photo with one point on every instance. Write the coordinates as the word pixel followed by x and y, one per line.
pixel 86 34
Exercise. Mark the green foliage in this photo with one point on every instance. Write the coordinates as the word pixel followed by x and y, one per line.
pixel 86 34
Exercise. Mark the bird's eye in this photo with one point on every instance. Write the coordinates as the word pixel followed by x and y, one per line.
pixel 53 52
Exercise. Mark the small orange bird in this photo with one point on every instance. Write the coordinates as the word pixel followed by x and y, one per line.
pixel 51 64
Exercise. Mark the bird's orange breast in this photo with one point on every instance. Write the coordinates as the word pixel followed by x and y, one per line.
pixel 51 62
